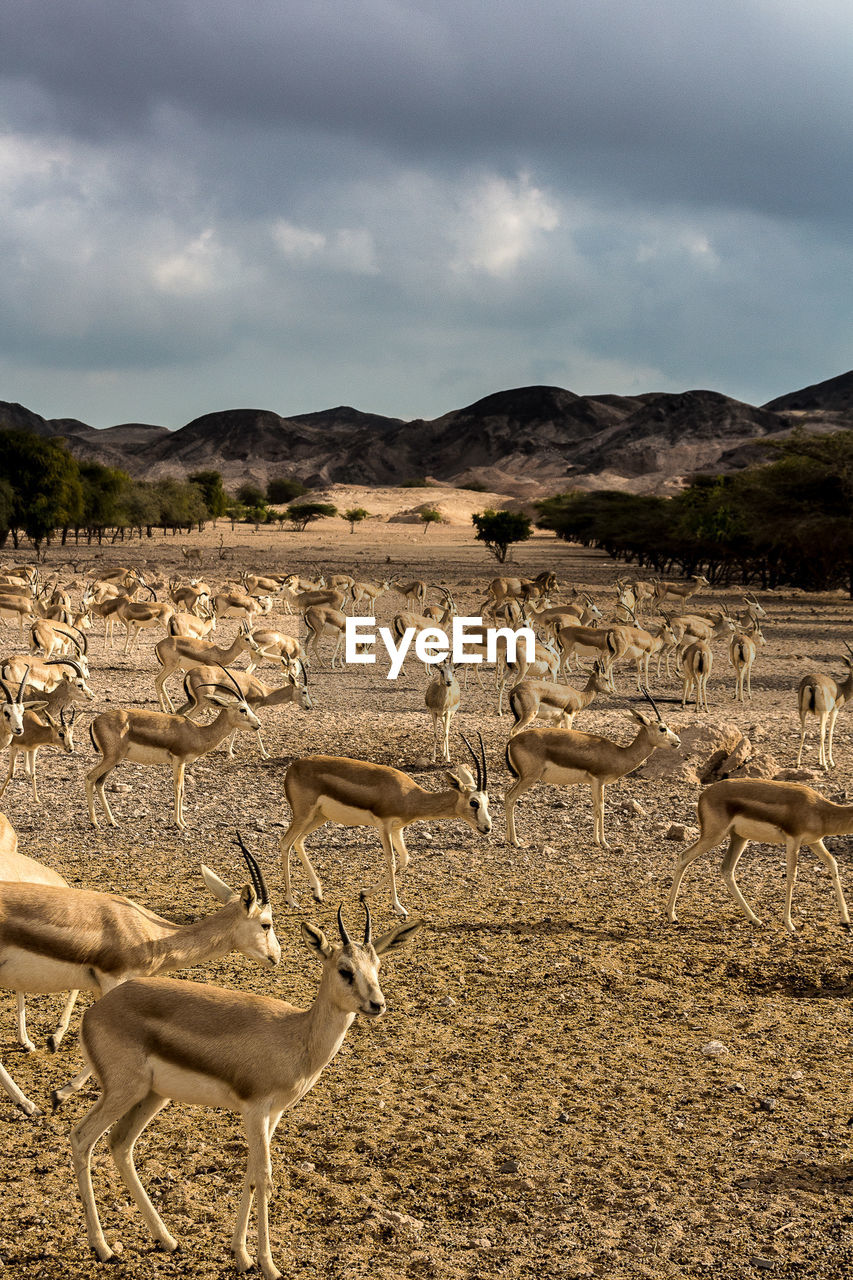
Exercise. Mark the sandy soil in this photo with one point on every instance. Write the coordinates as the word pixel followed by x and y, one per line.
pixel 536 1102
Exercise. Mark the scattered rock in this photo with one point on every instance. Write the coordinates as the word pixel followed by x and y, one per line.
pixel 508 1166
pixel 714 1049
pixel 767 1104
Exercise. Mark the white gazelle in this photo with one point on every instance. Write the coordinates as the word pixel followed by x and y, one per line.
pixel 157 1040
pixel 356 793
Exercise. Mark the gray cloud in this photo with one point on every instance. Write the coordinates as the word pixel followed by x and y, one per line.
pixel 405 206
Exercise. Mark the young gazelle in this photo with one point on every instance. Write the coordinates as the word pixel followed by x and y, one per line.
pixel 39 731
pixel 533 700
pixel 17 866
pixel 356 793
pixel 156 1040
pixel 158 737
pixel 565 756
pixel 323 620
pixel 785 813
pixel 54 938
pixel 442 702
pixel 821 696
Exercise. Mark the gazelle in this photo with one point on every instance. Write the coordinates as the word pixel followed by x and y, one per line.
pixel 57 939
pixel 742 650
pixel 180 653
pixel 413 592
pixel 13 709
pixel 238 604
pixel 39 731
pixel 442 702
pixel 156 737
pixel 356 793
pixel 785 813
pixel 368 593
pixel 197 626
pixel 697 661
pixel 199 680
pixel 323 620
pixel 192 554
pixel 192 596
pixel 680 590
pixel 278 648
pixel 561 757
pixel 582 642
pixel 156 1040
pixel 544 665
pixel 543 700
pixel 501 589
pixel 637 644
pixel 140 616
pixel 18 867
pixel 821 696
pixel 18 607
pixel 56 639
pixel 45 674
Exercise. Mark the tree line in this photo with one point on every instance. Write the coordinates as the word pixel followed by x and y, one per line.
pixel 787 522
pixel 45 492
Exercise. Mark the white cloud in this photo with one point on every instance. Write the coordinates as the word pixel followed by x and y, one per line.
pixel 501 224
pixel 298 243
pixel 347 249
pixel 191 270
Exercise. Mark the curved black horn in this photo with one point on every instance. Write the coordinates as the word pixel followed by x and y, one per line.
pixel 20 697
pixel 367 921
pixel 83 639
pixel 304 673
pixel 648 697
pixel 64 662
pixel 345 938
pixel 234 683
pixel 255 872
pixel 476 760
pixel 485 785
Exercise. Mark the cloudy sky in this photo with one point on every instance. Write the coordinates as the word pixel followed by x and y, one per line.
pixel 404 205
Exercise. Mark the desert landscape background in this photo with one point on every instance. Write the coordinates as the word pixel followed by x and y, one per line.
pixel 537 1100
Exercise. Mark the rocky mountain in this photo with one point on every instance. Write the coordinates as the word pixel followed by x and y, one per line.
pixel 523 440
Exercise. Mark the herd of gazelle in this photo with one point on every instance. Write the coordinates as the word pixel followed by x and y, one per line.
pixel 42 919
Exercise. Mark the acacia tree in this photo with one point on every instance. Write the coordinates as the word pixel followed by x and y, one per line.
pixel 430 515
pixel 45 482
pixel 301 514
pixel 355 515
pixel 499 529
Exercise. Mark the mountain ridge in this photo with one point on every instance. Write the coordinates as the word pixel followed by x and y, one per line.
pixel 537 435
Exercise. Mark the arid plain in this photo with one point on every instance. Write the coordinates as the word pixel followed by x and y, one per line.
pixel 536 1100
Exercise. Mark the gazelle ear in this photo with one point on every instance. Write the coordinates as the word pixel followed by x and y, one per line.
pixel 396 937
pixel 217 887
pixel 249 898
pixel 641 716
pixel 316 940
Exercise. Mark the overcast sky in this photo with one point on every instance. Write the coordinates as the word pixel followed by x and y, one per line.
pixel 404 205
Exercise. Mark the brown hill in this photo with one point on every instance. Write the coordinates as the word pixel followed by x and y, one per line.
pixel 520 441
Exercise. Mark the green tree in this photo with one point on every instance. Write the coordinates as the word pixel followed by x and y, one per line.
pixel 301 514
pixel 430 515
pixel 7 510
pixel 355 515
pixel 500 529
pixel 251 495
pixel 45 480
pixel 283 489
pixel 215 497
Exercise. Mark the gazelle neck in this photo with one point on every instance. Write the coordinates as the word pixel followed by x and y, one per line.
pixel 182 945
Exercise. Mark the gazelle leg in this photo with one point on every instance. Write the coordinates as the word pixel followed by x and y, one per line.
pixel 792 851
pixel 690 854
pixel 820 850
pixel 93 1126
pixel 95 780
pixel 833 716
pixel 21 1019
pixel 178 769
pixel 293 839
pixel 122 1139
pixel 54 1040
pixel 598 804
pixel 11 770
pixel 259 1170
pixel 65 1091
pixel 737 844
pixel 21 1099
pixel 514 793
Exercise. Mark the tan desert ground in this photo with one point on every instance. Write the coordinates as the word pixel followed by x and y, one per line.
pixel 539 1099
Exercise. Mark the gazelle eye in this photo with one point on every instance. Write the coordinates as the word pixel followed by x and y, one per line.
pixel 475 804
pixel 346 974
pixel 266 926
